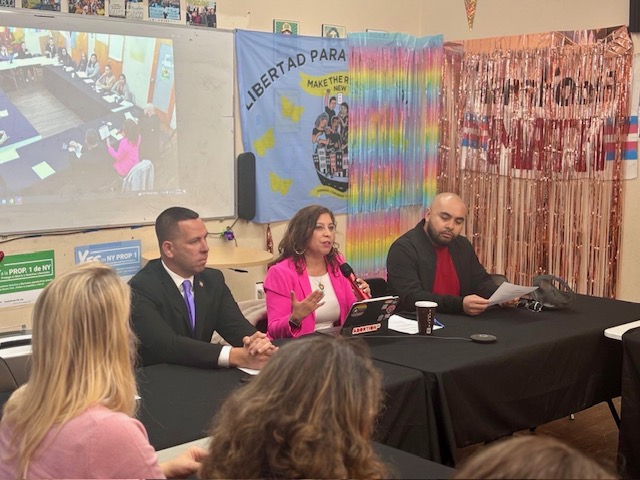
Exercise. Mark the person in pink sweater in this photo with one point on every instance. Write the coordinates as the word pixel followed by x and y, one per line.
pixel 127 154
pixel 74 417
pixel 305 290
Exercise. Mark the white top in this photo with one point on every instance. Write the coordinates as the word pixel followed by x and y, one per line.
pixel 329 312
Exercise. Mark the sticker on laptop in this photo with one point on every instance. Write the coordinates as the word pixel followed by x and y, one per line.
pixel 365 329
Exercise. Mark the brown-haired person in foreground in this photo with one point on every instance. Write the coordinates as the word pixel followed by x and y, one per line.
pixel 288 423
pixel 531 457
pixel 73 418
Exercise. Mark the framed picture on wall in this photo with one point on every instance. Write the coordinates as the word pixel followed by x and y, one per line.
pixel 286 27
pixel 334 31
pixel 51 5
pixel 86 8
pixel 166 11
pixel 201 13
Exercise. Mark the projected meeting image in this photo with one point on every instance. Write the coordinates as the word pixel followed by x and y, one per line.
pixel 85 115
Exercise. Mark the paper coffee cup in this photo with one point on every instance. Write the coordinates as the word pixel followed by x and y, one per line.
pixel 425 314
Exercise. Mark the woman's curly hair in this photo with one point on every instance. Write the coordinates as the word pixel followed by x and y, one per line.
pixel 308 414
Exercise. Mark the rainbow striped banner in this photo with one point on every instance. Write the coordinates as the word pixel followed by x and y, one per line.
pixel 395 84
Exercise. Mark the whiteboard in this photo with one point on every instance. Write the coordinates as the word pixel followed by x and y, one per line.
pixel 188 72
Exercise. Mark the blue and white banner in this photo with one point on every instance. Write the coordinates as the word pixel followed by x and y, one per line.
pixel 124 257
pixel 295 119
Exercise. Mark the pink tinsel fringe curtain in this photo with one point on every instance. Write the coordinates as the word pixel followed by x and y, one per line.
pixel 532 134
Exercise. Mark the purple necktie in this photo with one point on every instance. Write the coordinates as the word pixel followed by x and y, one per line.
pixel 191 306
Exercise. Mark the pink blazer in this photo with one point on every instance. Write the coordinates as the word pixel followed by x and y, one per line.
pixel 281 279
pixel 126 156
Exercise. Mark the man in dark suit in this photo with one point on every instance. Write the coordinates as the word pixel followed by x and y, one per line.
pixel 161 306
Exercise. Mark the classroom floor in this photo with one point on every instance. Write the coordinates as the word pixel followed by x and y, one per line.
pixel 593 431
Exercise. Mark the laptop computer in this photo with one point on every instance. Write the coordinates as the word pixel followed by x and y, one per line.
pixel 366 317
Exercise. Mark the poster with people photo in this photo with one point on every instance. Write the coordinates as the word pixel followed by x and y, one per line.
pixel 50 5
pixel 202 13
pixel 135 9
pixel 117 8
pixel 167 11
pixel 87 7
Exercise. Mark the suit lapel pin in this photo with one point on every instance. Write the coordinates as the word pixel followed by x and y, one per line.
pixel 200 283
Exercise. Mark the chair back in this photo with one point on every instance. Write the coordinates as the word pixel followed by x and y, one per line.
pixel 498 278
pixel 140 177
pixel 378 286
pixel 15 353
pixel 8 382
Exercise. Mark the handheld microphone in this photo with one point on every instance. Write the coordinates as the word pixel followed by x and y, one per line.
pixel 347 271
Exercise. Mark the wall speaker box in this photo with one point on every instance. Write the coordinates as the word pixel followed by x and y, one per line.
pixel 246 190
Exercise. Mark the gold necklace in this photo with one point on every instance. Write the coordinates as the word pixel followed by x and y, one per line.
pixel 319 280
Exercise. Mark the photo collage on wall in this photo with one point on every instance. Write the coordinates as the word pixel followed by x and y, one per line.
pixel 168 11
pixel 132 9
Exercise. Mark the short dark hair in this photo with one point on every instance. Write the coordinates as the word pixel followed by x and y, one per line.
pixel 131 130
pixel 91 137
pixel 167 222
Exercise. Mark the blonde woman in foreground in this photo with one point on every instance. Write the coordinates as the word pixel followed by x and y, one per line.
pixel 74 417
pixel 308 414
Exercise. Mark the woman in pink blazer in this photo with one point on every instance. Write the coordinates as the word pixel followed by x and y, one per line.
pixel 128 153
pixel 304 287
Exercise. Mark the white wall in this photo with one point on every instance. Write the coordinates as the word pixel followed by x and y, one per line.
pixel 416 17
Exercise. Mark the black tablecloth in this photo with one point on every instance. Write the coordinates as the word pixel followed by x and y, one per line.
pixel 19 130
pixel 178 403
pixel 544 366
pixel 76 95
pixel 19 175
pixel 406 465
pixel 629 444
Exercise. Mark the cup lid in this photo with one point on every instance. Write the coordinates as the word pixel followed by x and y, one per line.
pixel 426 304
